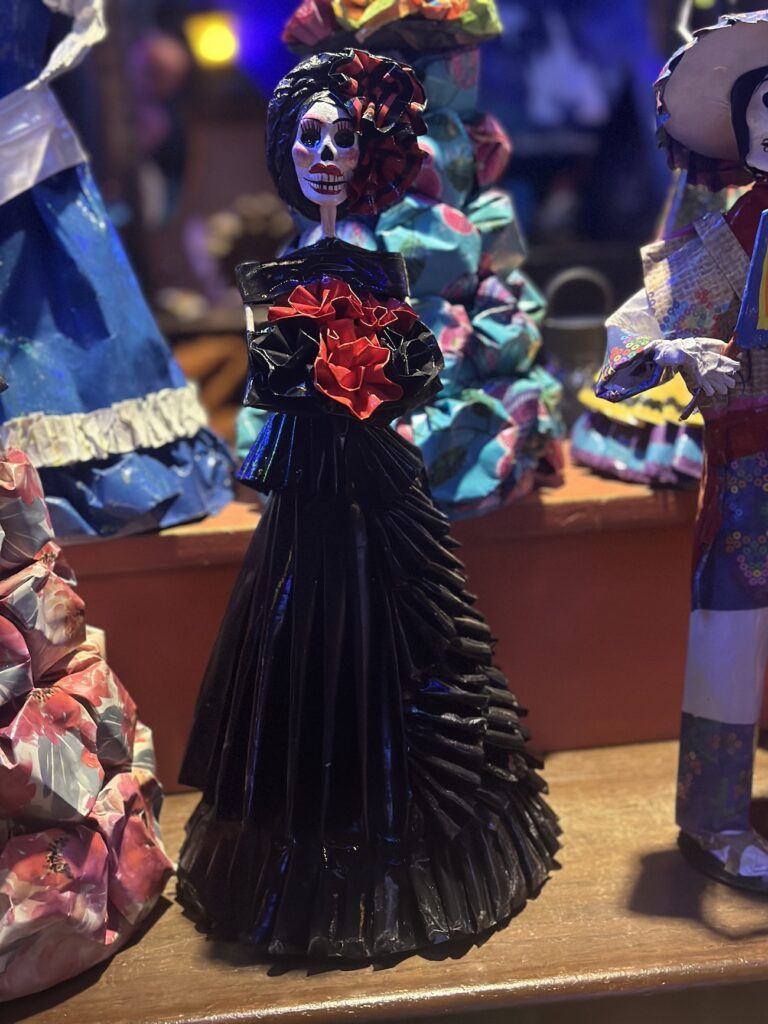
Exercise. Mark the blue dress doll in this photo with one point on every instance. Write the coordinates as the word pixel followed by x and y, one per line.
pixel 96 400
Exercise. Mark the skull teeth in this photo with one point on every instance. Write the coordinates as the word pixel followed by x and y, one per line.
pixel 328 184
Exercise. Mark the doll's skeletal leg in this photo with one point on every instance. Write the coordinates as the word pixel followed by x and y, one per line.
pixel 725 671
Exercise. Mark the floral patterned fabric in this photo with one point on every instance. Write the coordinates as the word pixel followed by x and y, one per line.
pixel 81 860
pixel 714 775
pixel 731 571
pixel 693 287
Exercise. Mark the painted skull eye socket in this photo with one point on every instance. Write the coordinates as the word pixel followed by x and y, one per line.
pixel 310 131
pixel 765 98
pixel 345 138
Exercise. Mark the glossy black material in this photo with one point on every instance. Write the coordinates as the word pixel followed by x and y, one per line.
pixel 367 789
pixel 382 273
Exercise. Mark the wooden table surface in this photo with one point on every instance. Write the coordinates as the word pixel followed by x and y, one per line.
pixel 624 915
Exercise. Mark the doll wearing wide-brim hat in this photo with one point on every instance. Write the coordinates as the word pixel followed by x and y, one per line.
pixel 712 106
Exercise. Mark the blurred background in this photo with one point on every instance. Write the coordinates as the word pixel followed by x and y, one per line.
pixel 171 108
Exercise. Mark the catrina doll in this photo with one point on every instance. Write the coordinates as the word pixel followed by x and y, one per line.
pixel 712 102
pixel 367 789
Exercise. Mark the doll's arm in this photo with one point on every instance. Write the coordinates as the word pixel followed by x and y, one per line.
pixel 704 361
pixel 638 357
pixel 88 28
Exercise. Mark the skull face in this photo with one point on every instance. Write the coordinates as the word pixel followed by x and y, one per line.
pixel 757 123
pixel 325 152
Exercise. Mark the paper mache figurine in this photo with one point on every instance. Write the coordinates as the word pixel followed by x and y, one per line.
pixel 81 859
pixel 690 320
pixel 367 788
pixel 492 432
pixel 95 399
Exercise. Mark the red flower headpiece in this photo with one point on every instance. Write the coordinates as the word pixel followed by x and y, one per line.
pixel 387 101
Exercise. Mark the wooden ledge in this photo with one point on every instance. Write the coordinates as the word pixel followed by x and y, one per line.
pixel 216 540
pixel 624 916
pixel 586 503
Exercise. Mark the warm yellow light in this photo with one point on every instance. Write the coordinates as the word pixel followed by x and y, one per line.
pixel 705 5
pixel 212 38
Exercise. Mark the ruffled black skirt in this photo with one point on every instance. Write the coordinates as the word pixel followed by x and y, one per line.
pixel 366 784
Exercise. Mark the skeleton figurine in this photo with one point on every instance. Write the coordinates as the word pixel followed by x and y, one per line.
pixel 367 788
pixel 713 109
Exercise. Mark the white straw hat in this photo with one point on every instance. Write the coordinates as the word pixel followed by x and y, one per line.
pixel 694 89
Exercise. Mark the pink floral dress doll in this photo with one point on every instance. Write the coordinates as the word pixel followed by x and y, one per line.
pixel 81 859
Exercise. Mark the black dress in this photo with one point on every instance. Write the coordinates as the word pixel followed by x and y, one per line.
pixel 366 784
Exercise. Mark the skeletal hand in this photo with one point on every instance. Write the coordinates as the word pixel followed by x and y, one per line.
pixel 704 359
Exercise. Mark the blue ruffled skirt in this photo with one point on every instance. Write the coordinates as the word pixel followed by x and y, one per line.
pixel 128 449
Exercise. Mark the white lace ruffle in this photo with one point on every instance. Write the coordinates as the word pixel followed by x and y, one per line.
pixel 149 422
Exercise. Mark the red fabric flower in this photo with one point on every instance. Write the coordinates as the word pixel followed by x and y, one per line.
pixel 350 369
pixel 392 314
pixel 336 301
pixel 322 302
pixel 387 101
pixel 350 362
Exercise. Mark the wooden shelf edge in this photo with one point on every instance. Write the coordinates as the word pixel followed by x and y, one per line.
pixel 584 504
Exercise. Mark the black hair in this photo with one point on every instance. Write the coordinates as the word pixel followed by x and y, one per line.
pixel 383 98
pixel 308 81
pixel 741 93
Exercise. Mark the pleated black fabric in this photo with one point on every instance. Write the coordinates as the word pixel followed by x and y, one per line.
pixel 367 789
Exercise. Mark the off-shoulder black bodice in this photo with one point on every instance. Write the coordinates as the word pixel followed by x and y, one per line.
pixel 381 273
pixel 340 340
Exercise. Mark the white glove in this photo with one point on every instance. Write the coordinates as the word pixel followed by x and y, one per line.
pixel 703 359
pixel 88 29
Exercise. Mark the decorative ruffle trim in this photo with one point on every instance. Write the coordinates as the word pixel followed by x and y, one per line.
pixel 148 422
pixel 428 824
pixel 361 902
pixel 140 491
pixel 665 453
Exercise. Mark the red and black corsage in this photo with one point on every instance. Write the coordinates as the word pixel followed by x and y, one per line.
pixel 352 354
